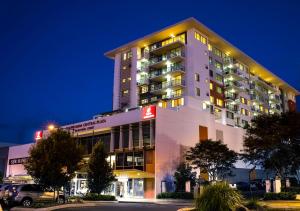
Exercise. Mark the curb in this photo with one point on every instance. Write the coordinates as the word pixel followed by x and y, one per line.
pixel 84 204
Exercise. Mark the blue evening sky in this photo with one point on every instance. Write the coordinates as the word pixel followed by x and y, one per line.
pixel 52 67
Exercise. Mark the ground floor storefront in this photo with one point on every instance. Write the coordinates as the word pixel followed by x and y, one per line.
pixel 128 184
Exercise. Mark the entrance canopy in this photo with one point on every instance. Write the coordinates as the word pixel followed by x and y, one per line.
pixel 133 173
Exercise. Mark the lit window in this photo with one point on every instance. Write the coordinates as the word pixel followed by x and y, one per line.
pixel 242 100
pixel 261 108
pixel 211 86
pixel 197 91
pixel 144 89
pixel 123 80
pixel 219 90
pixel 219 78
pixel 197 77
pixel 218 65
pixel 210 60
pixel 243 111
pixel 211 98
pixel 200 38
pixel 129 78
pixel 266 110
pixel 209 47
pixel 125 92
pixel 177 102
pixel 220 102
pixel 144 101
pixel 217 52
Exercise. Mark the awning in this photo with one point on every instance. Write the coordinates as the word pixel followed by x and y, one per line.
pixel 133 174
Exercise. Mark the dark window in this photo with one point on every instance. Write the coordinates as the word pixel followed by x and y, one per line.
pixel 120 160
pixel 146 133
pixel 211 73
pixel 116 138
pixel 135 135
pixel 125 137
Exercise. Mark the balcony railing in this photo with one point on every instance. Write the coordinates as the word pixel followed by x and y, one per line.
pixel 143 82
pixel 164 71
pixel 232 84
pixel 159 48
pixel 174 95
pixel 172 55
pixel 168 84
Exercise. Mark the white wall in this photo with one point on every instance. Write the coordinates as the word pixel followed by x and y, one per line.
pixel 179 130
pixel 20 151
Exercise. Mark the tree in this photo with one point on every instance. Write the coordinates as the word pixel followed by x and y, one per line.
pixel 100 174
pixel 1 177
pixel 53 161
pixel 183 174
pixel 213 158
pixel 273 143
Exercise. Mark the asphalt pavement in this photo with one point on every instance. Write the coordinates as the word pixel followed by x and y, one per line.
pixel 127 207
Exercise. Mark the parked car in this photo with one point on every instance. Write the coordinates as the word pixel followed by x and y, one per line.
pixel 26 194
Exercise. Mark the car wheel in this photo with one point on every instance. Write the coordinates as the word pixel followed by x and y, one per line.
pixel 27 202
pixel 60 200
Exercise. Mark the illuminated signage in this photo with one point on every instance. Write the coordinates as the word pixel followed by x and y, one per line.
pixel 149 112
pixel 16 161
pixel 89 125
pixel 38 135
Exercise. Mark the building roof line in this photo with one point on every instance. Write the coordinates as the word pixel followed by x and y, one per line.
pixel 216 40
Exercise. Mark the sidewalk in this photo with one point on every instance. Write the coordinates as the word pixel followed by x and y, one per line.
pixel 187 203
pixel 280 204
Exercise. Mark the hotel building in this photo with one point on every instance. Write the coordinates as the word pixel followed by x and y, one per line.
pixel 172 89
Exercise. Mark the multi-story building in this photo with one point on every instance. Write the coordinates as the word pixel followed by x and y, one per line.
pixel 172 89
pixel 188 64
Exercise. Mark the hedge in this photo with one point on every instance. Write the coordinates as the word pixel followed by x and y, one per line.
pixel 98 197
pixel 175 195
pixel 280 196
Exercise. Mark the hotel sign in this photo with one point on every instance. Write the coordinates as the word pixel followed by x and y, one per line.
pixel 89 125
pixel 16 161
pixel 149 112
pixel 38 135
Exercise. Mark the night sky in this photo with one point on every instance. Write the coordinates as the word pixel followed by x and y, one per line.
pixel 51 51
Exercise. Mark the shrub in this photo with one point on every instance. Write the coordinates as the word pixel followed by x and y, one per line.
pixel 98 197
pixel 291 189
pixel 280 196
pixel 175 195
pixel 252 204
pixel 218 197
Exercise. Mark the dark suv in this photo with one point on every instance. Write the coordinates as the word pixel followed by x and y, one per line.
pixel 28 193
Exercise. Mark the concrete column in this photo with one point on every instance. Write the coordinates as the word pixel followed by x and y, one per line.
pixel 130 144
pixel 116 94
pixel 121 138
pixel 112 140
pixel 133 87
pixel 141 142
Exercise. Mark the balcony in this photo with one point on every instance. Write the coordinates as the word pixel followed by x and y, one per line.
pixel 174 70
pixel 234 85
pixel 159 62
pixel 159 49
pixel 234 73
pixel 143 82
pixel 231 97
pixel 263 83
pixel 161 88
pixel 172 96
pixel 274 99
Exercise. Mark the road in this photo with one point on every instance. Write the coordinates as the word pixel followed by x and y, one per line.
pixel 127 207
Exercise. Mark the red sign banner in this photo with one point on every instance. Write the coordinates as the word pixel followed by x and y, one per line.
pixel 38 135
pixel 149 112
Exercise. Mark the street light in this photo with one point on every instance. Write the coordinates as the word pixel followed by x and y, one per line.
pixel 51 127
